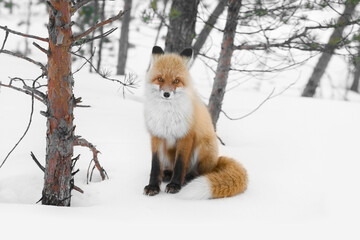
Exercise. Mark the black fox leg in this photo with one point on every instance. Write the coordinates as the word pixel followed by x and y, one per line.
pixel 167 174
pixel 155 177
pixel 178 176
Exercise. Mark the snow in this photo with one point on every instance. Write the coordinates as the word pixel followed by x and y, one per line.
pixel 301 156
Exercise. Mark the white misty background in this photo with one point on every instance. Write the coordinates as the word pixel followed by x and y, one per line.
pixel 301 154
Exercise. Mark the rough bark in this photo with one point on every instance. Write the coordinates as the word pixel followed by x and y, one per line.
pixel 60 129
pixel 182 25
pixel 205 32
pixel 335 38
pixel 224 63
pixel 124 39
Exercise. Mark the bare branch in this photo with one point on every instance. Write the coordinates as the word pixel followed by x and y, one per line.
pixel 129 82
pixel 5 28
pixel 254 110
pixel 27 127
pixel 270 96
pixel 5 39
pixel 43 68
pixel 93 28
pixel 78 5
pixel 41 49
pixel 78 141
pixel 87 40
pixel 37 162
pixel 26 91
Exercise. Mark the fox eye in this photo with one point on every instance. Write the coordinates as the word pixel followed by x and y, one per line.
pixel 160 79
pixel 176 81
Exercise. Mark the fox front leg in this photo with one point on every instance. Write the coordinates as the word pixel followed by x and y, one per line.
pixel 183 152
pixel 155 177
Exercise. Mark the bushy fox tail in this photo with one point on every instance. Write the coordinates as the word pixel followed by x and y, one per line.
pixel 227 179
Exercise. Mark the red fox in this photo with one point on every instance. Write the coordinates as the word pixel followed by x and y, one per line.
pixel 183 140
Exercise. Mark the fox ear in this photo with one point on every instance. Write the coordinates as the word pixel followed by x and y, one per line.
pixel 157 50
pixel 187 55
pixel 187 52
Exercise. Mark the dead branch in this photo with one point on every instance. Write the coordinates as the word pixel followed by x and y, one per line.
pixel 78 5
pixel 5 28
pixel 87 40
pixel 77 189
pixel 43 68
pixel 129 82
pixel 5 39
pixel 41 48
pixel 78 141
pixel 42 168
pixel 22 90
pixel 93 28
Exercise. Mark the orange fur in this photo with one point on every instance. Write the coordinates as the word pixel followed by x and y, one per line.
pixel 198 147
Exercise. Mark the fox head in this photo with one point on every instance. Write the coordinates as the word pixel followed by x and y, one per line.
pixel 168 75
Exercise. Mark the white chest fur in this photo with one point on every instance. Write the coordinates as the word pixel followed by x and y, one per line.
pixel 167 119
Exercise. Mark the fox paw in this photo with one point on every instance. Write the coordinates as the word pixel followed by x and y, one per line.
pixel 173 188
pixel 151 190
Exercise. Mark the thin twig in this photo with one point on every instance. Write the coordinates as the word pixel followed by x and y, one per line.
pixel 27 128
pixel 78 5
pixel 5 28
pixel 87 40
pixel 23 91
pixel 130 82
pixel 5 39
pixel 93 28
pixel 252 111
pixel 43 68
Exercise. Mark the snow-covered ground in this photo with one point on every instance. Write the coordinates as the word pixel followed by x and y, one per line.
pixel 302 157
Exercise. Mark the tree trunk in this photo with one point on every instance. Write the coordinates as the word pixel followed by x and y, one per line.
pixel 224 63
pixel 355 84
pixel 205 32
pixel 335 38
pixel 27 22
pixel 60 130
pixel 182 25
pixel 94 20
pixel 101 29
pixel 124 39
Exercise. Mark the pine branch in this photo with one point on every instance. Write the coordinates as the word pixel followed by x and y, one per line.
pixel 43 68
pixel 129 82
pixel 78 5
pixel 5 28
pixel 93 28
pixel 41 49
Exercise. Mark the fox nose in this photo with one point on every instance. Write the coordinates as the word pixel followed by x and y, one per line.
pixel 166 94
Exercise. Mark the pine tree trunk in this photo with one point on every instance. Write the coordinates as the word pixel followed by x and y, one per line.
pixel 336 36
pixel 124 39
pixel 205 32
pixel 101 41
pixel 182 25
pixel 95 3
pixel 224 63
pixel 60 130
pixel 355 84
